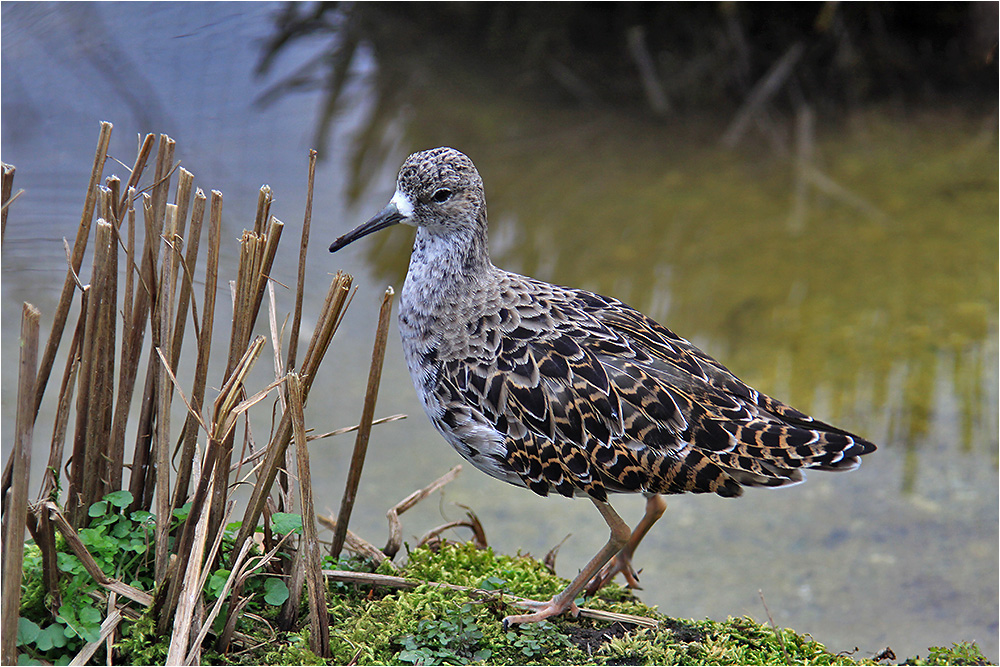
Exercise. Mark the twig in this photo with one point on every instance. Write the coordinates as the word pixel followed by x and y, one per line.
pixel 357 544
pixel 89 564
pixel 777 633
pixel 190 431
pixel 348 429
pixel 336 301
pixel 6 188
pixel 395 526
pixel 190 591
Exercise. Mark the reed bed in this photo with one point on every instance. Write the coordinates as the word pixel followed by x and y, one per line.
pixel 132 314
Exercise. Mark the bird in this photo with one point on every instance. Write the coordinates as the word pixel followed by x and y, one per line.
pixel 562 390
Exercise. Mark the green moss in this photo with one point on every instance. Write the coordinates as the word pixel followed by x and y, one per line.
pixel 431 624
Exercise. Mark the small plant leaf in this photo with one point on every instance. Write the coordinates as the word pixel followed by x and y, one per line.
pixel 283 523
pixel 27 631
pixel 119 498
pixel 275 591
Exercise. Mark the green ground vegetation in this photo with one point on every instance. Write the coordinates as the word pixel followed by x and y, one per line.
pixel 423 625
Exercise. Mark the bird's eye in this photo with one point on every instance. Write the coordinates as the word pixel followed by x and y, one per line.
pixel 442 195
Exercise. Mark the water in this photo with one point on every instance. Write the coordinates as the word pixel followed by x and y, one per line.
pixel 871 303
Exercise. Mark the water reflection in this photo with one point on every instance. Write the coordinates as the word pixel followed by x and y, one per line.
pixel 894 268
pixel 884 323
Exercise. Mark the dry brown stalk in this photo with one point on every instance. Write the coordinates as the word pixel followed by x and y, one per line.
pixel 79 248
pixel 141 481
pixel 14 519
pixel 226 412
pixel 190 432
pixel 5 191
pixel 90 471
pixel 336 300
pixel 264 199
pixel 161 178
pixel 189 593
pixel 293 340
pixel 357 544
pixel 161 444
pixel 365 425
pixel 107 628
pixel 348 429
pixel 319 624
pixel 74 492
pixel 395 526
pixel 471 522
pixel 88 562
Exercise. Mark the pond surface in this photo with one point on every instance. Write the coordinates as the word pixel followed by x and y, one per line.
pixel 867 297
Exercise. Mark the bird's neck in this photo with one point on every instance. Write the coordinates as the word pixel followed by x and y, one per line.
pixel 444 268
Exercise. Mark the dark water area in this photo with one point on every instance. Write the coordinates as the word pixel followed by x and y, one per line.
pixel 849 269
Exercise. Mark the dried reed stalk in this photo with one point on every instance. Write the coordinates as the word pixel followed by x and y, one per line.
pixel 227 410
pixel 90 470
pixel 161 444
pixel 188 593
pixel 293 340
pixel 6 188
pixel 330 316
pixel 76 260
pixel 190 432
pixel 364 426
pixel 319 624
pixel 14 519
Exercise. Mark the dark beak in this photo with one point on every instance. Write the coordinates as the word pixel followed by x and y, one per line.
pixel 387 217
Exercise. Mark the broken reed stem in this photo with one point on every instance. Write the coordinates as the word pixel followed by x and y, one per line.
pixel 190 432
pixel 336 300
pixel 16 515
pixel 256 256
pixel 91 469
pixel 74 494
pixel 131 349
pixel 189 595
pixel 6 189
pixel 319 625
pixel 762 92
pixel 226 412
pixel 76 260
pixel 293 340
pixel 365 425
pixel 161 444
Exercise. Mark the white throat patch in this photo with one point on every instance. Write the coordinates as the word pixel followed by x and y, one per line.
pixel 403 205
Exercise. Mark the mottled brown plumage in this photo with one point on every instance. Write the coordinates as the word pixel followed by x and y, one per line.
pixel 562 390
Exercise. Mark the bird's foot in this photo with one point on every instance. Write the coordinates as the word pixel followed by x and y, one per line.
pixel 543 610
pixel 620 563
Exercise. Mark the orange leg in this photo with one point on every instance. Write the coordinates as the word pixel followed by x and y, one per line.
pixel 622 562
pixel 566 601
